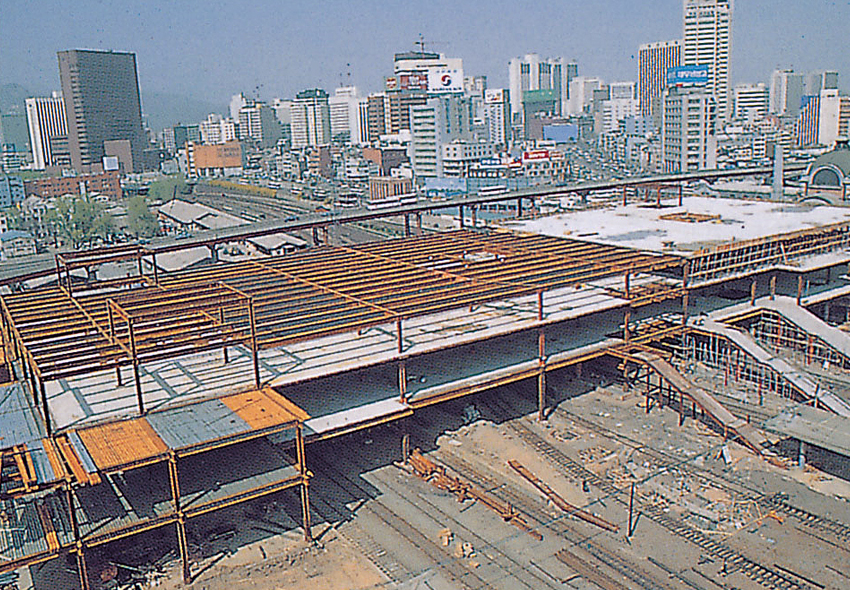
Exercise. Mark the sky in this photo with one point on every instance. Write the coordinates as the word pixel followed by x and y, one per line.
pixel 211 50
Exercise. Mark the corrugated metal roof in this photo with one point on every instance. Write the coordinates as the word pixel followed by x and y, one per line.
pixel 197 423
pixel 19 423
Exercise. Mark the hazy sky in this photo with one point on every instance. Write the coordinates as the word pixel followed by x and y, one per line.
pixel 212 50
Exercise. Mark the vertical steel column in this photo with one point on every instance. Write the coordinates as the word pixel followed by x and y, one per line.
pixel 305 481
pixel 406 225
pixel 182 542
pixel 686 271
pixel 540 305
pixel 773 287
pixel 254 350
pixel 112 336
pixel 460 215
pixel 221 321
pixel 136 377
pixel 680 194
pixel 648 387
pixel 541 376
pixel 625 202
pixel 799 288
pixel 45 408
pixel 519 207
pixel 402 382
pixel 400 335
pixel 626 285
pixel 474 213
pixel 753 293
pixel 419 223
pixel 78 543
pixel 626 321
pixel 155 271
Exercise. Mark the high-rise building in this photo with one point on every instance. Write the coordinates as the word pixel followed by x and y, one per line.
pixel 497 116
pixel 439 121
pixel 531 72
pixel 807 127
pixel 216 130
pixel 814 82
pixel 750 102
pixel 46 122
pixel 581 93
pixel 258 123
pixel 311 119
pixel 688 137
pixel 829 118
pixel 654 60
pixel 708 28
pixel 786 92
pixel 101 92
pixel 344 108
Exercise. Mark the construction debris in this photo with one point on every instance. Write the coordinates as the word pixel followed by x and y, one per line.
pixel 559 501
pixel 436 475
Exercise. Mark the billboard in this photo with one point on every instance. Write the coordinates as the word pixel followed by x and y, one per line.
pixel 407 82
pixel 442 80
pixel 535 155
pixel 495 96
pixel 688 76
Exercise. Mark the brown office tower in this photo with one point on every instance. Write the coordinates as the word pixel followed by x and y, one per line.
pixel 101 90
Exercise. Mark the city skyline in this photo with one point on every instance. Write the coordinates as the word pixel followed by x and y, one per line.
pixel 179 48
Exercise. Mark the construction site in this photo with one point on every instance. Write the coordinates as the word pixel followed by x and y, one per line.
pixel 653 395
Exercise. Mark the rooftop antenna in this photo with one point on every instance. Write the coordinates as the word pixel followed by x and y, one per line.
pixel 421 43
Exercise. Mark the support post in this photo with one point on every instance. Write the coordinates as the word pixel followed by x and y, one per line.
pixel 540 306
pixel 626 286
pixel 680 194
pixel 155 270
pixel 630 530
pixel 406 225
pixel 254 350
pixel 541 376
pixel 305 481
pixel 221 321
pixel 460 215
pixel 753 293
pixel 400 335
pixel 648 386
pixel 405 447
pixel 801 456
pixel 519 207
pixel 419 223
pixel 136 376
pixel 402 382
pixel 45 408
pixel 773 287
pixel 625 202
pixel 626 321
pixel 474 213
pixel 183 545
pixel 799 289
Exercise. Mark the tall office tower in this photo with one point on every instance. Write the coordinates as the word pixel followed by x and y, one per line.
pixel 708 28
pixel 344 108
pixel 654 60
pixel 786 92
pixel 257 122
pixel 808 122
pixel 46 122
pixel 814 82
pixel 581 93
pixel 439 121
pixel 102 105
pixel 497 116
pixel 688 138
pixel 829 118
pixel 750 102
pixel 530 72
pixel 311 119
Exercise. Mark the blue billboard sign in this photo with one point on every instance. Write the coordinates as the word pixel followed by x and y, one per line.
pixel 687 76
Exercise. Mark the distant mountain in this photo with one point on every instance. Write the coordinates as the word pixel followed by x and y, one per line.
pixel 163 109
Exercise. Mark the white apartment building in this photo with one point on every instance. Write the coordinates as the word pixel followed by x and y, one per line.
pixel 311 119
pixel 688 137
pixel 750 102
pixel 531 72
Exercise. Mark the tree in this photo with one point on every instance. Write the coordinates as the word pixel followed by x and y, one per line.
pixel 168 187
pixel 80 220
pixel 140 221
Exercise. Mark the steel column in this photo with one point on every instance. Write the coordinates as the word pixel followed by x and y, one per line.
pixel 136 376
pixel 406 225
pixel 402 382
pixel 174 481
pixel 254 351
pixel 541 376
pixel 305 481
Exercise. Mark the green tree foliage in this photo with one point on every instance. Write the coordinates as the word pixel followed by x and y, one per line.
pixel 169 187
pixel 79 220
pixel 140 221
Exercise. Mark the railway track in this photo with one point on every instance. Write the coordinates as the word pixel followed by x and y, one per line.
pixel 761 574
pixel 510 570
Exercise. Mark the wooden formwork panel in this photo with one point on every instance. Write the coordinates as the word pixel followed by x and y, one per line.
pixel 260 410
pixel 128 442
